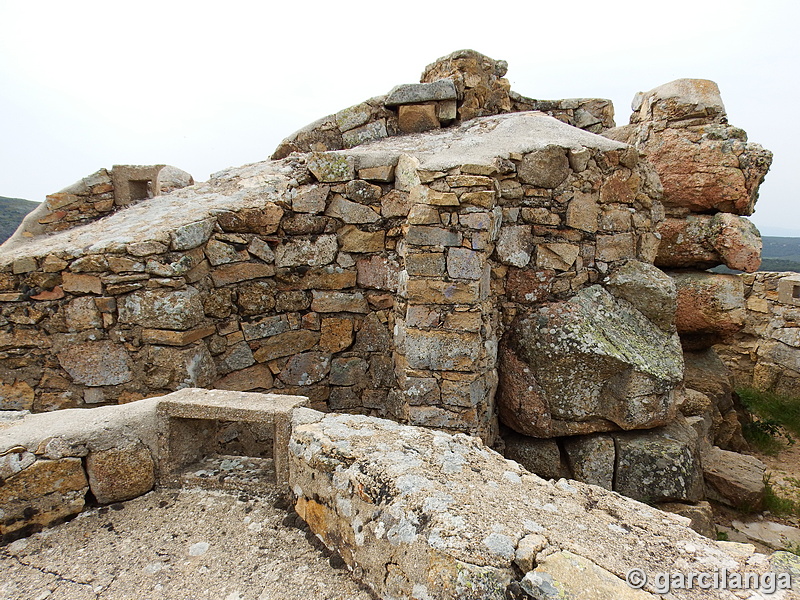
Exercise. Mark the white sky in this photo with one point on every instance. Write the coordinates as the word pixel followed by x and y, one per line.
pixel 206 85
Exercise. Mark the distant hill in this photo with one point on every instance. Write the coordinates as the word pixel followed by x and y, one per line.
pixel 780 254
pixel 12 211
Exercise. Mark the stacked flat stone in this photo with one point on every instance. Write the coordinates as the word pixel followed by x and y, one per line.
pixel 458 87
pixel 765 354
pixel 474 267
pixel 710 175
pixel 99 194
pixel 377 279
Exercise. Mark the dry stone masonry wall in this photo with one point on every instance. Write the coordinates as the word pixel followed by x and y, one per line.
pixel 765 353
pixel 444 256
pixel 451 255
pixel 100 194
pixel 455 88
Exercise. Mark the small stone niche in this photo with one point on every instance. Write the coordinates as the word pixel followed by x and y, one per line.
pixel 226 440
pixel 789 290
pixel 140 189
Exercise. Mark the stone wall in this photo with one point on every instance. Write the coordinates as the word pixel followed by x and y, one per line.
pixel 710 174
pixel 473 273
pixel 416 513
pixel 51 464
pixel 378 279
pixel 405 507
pixel 765 353
pixel 98 195
pixel 455 88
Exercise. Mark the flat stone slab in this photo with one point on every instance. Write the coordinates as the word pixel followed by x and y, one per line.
pixel 734 479
pixel 419 513
pixel 479 141
pixel 774 535
pixel 181 414
pixel 409 93
pixel 223 405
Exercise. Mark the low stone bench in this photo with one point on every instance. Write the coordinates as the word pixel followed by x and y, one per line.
pixel 50 463
pixel 181 416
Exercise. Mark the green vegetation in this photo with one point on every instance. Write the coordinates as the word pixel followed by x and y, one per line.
pixel 12 211
pixel 793 548
pixel 774 417
pixel 778 505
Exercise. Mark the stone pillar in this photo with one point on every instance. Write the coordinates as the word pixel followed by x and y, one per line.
pixel 446 321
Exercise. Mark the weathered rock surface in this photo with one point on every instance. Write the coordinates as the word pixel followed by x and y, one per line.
pixel 648 289
pixel 119 474
pixel 45 493
pixel 585 365
pixel 539 456
pixel 97 195
pixel 707 374
pixel 704 164
pixel 701 515
pixel 592 459
pixel 710 307
pixel 397 503
pixel 564 574
pixel 765 354
pixel 734 479
pixel 659 465
pixel 702 241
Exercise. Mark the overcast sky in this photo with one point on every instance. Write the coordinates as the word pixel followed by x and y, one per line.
pixel 204 86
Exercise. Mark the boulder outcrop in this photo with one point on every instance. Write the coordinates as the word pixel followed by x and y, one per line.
pixel 592 363
pixel 398 504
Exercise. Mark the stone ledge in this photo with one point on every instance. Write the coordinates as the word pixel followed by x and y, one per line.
pixel 417 513
pixel 44 478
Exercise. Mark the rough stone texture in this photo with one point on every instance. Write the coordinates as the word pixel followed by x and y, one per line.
pixel 353 271
pixel 734 479
pixel 704 164
pixel 97 195
pixel 648 289
pixel 588 364
pixel 442 89
pixel 45 493
pixel 702 241
pixel 97 363
pixel 707 374
pixel 252 550
pixel 710 307
pixel 592 459
pixel 546 168
pixel 120 474
pixel 701 515
pixel 397 503
pixel 416 118
pixel 659 465
pixel 567 575
pixel 765 354
pixel 162 309
pixel 542 457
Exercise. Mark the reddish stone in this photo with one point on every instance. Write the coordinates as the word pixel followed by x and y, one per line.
pixel 527 286
pixel 55 294
pixel 378 272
